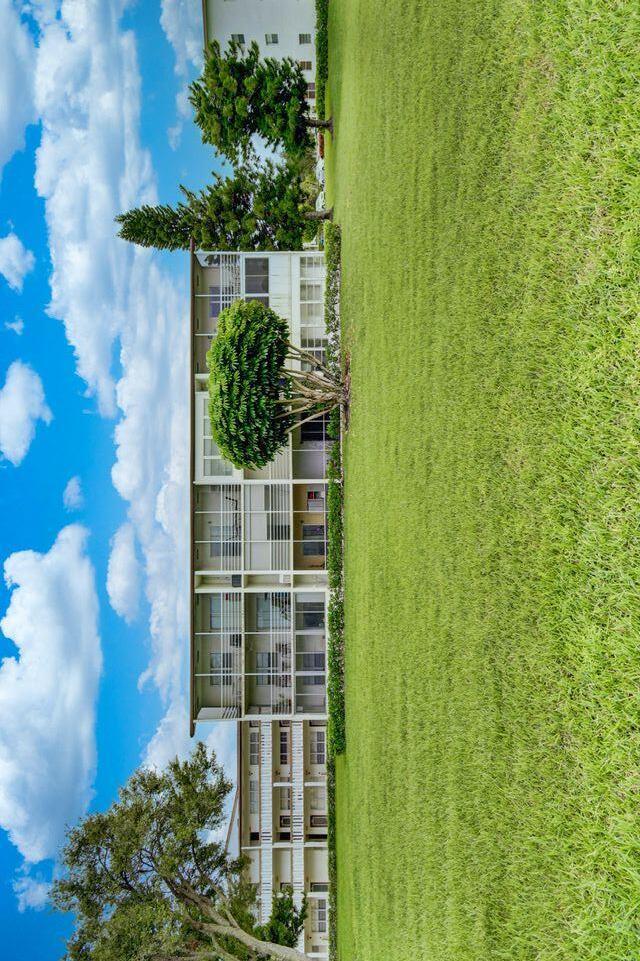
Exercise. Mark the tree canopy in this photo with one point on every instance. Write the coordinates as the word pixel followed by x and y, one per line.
pixel 147 881
pixel 239 96
pixel 262 207
pixel 255 398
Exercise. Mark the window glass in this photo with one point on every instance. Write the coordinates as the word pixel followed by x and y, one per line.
pixel 254 747
pixel 304 38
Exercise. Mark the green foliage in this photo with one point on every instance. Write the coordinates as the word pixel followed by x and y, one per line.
pixel 247 382
pixel 286 921
pixel 335 684
pixel 145 882
pixel 322 55
pixel 239 96
pixel 118 862
pixel 262 207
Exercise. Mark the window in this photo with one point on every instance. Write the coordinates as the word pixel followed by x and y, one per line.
pixel 315 500
pixel 313 540
pixel 304 38
pixel 213 464
pixel 256 279
pixel 305 64
pixel 254 747
pixel 310 615
pixel 284 747
pixel 263 680
pixel 320 916
pixel 311 91
pixel 317 799
pixel 319 886
pixel 318 820
pixel 238 38
pixel 273 611
pixel 285 798
pixel 285 821
pixel 265 661
pixel 313 661
pixel 270 38
pixel 253 797
pixel 221 661
pixel 317 747
pixel 313 430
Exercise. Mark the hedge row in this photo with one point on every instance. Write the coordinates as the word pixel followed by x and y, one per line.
pixel 322 54
pixel 337 733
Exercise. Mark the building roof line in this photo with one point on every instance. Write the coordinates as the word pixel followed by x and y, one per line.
pixel 205 24
pixel 192 476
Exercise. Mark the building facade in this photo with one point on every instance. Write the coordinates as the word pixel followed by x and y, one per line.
pixel 281 28
pixel 259 593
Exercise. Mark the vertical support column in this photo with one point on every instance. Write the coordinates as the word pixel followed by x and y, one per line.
pixel 297 813
pixel 266 821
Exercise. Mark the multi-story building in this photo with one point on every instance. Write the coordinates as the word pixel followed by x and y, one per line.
pixel 259 594
pixel 281 28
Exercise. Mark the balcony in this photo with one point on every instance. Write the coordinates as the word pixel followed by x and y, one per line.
pixel 217 528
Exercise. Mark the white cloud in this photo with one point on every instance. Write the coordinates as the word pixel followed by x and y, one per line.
pixel 17 326
pixel 90 167
pixel 15 261
pixel 22 404
pixel 72 496
pixel 123 574
pixel 47 696
pixel 31 892
pixel 181 21
pixel 16 90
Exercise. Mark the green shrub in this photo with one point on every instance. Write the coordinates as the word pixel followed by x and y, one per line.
pixel 322 55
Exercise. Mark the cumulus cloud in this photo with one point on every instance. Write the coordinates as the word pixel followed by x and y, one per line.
pixel 47 698
pixel 181 21
pixel 111 295
pixel 31 892
pixel 16 89
pixel 22 404
pixel 72 496
pixel 16 326
pixel 15 261
pixel 123 574
pixel 89 168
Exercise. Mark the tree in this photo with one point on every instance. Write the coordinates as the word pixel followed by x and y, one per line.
pixel 254 398
pixel 262 207
pixel 239 96
pixel 145 881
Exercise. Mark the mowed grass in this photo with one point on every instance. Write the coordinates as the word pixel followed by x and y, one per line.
pixel 486 174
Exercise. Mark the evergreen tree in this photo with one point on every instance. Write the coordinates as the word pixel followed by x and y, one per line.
pixel 239 96
pixel 262 207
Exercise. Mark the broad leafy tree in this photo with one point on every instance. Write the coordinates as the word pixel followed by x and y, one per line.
pixel 239 96
pixel 262 207
pixel 146 882
pixel 255 396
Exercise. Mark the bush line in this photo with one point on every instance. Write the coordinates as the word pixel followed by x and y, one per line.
pixel 336 741
pixel 322 55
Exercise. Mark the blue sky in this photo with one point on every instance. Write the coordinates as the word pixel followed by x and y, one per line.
pixel 93 401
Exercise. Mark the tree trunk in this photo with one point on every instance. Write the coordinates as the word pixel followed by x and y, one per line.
pixel 255 944
pixel 320 124
pixel 319 214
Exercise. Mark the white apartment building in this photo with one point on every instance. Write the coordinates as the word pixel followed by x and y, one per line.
pixel 281 28
pixel 259 593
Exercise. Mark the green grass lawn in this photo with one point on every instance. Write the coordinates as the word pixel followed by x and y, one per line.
pixel 486 174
